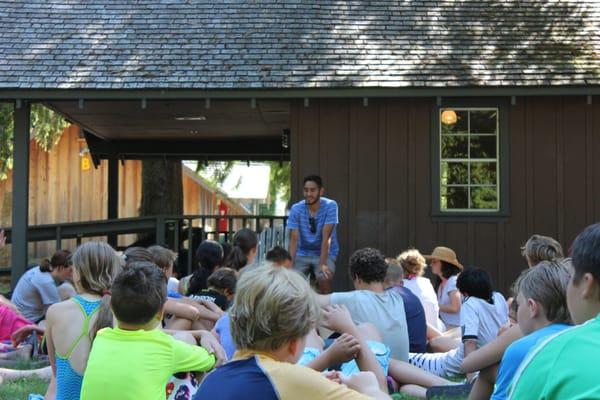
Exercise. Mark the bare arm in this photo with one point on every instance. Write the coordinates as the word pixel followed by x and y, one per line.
pixel 324 299
pixel 454 306
pixel 338 318
pixel 492 352
pixel 325 242
pixel 189 311
pixel 293 243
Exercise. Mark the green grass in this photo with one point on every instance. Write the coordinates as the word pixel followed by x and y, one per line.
pixel 20 389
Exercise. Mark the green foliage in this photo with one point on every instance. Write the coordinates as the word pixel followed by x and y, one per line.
pixel 20 389
pixel 46 129
pixel 280 180
pixel 215 171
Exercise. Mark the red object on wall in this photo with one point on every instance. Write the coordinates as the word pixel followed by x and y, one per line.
pixel 223 223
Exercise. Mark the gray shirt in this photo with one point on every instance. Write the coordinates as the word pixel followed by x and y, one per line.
pixel 385 311
pixel 35 292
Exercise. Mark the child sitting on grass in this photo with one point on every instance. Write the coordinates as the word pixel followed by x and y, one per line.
pixel 565 366
pixel 135 360
pixel 273 312
pixel 542 312
pixel 482 314
pixel 221 288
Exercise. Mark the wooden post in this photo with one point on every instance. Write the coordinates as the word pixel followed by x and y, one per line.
pixel 113 194
pixel 20 209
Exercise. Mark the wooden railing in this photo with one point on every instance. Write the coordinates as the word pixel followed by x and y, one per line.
pixel 175 231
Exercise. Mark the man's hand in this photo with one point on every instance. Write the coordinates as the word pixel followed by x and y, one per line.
pixel 337 318
pixel 343 349
pixel 212 345
pixel 325 272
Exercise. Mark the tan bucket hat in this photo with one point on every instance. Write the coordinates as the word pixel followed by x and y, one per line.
pixel 444 254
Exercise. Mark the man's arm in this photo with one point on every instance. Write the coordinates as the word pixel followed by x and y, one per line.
pixel 293 243
pixel 325 243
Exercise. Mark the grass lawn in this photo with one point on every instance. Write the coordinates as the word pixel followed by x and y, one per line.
pixel 19 390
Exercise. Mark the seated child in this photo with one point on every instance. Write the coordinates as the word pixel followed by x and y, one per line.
pixel 482 314
pixel 273 311
pixel 370 302
pixel 221 288
pixel 279 256
pixel 415 313
pixel 135 360
pixel 542 312
pixel 565 366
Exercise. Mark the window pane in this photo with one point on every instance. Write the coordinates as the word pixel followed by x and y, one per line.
pixel 483 173
pixel 484 198
pixel 460 126
pixel 455 198
pixel 455 146
pixel 483 121
pixel 483 146
pixel 455 173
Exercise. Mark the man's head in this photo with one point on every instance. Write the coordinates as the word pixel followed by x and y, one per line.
pixel 542 295
pixel 273 311
pixel 395 273
pixel 139 293
pixel 313 189
pixel 540 248
pixel 367 266
pixel 280 257
pixel 583 292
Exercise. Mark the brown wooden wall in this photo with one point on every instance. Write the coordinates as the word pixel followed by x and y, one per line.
pixel 376 162
pixel 60 191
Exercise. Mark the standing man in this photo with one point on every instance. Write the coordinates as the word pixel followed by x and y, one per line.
pixel 313 240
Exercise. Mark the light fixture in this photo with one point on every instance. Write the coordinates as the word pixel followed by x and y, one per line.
pixel 449 117
pixel 191 118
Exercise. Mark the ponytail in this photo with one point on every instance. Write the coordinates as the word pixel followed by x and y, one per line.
pixel 244 241
pixel 104 318
pixel 236 259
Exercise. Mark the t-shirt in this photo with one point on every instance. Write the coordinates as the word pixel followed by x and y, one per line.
pixel 479 320
pixel 385 311
pixel 212 296
pixel 423 289
pixel 309 244
pixel 258 376
pixel 133 365
pixel 35 292
pixel 563 366
pixel 415 319
pixel 223 329
pixel 444 298
pixel 514 355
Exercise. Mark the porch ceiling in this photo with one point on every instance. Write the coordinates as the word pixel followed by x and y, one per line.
pixel 178 119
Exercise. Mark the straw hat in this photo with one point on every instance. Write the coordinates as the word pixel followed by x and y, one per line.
pixel 444 254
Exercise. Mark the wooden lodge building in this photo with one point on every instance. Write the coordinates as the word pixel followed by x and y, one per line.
pixel 470 124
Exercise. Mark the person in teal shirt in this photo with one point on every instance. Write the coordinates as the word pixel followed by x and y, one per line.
pixel 564 366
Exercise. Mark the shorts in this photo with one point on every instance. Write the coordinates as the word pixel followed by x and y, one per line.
pixel 381 351
pixel 307 264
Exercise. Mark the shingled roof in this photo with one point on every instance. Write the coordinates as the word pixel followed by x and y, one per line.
pixel 270 44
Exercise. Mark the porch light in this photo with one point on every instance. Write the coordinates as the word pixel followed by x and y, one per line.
pixel 449 117
pixel 191 118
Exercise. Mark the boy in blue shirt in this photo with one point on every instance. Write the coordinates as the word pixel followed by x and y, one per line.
pixel 313 240
pixel 542 312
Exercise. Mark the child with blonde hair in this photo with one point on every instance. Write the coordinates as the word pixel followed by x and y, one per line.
pixel 72 325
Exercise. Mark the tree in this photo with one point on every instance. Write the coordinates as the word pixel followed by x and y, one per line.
pixel 46 129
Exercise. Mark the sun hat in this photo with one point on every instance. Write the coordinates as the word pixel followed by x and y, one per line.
pixel 444 254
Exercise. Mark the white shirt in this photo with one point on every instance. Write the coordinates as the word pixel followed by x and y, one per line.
pixel 446 317
pixel 423 289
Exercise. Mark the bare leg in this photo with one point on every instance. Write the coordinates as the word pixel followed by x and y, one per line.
pixel 314 340
pixel 179 324
pixel 186 338
pixel 414 391
pixel 405 373
pixel 484 385
pixel 14 374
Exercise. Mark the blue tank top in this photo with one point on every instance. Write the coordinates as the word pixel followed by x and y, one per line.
pixel 68 381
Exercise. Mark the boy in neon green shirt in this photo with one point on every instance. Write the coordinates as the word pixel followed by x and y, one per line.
pixel 135 360
pixel 565 365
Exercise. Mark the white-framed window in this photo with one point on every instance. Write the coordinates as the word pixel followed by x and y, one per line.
pixel 469 159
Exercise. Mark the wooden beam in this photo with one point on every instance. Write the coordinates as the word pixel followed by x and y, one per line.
pixel 20 209
pixel 113 194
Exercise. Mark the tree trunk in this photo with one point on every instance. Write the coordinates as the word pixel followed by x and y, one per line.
pixel 162 187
